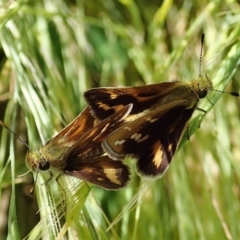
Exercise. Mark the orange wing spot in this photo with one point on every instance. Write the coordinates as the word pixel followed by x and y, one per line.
pixel 119 142
pixel 151 120
pixel 157 160
pixel 138 137
pixel 104 106
pixel 170 147
pixel 112 176
pixel 128 128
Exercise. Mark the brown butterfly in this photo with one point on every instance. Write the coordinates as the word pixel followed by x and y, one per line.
pixel 156 122
pixel 77 151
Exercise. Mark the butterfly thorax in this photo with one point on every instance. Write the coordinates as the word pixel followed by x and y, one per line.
pixel 192 92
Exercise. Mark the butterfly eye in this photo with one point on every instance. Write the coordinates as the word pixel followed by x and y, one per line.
pixel 202 93
pixel 44 166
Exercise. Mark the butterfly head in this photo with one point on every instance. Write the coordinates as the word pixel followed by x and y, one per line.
pixel 201 86
pixel 35 161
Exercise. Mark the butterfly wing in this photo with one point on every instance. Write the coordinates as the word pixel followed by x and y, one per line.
pixel 89 145
pixel 83 156
pixel 86 161
pixel 106 101
pixel 77 128
pixel 101 171
pixel 151 139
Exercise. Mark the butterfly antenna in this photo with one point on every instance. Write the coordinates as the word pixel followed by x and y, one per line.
pixel 15 135
pixel 235 94
pixel 201 55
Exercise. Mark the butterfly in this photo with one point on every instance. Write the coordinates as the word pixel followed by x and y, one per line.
pixel 156 123
pixel 76 151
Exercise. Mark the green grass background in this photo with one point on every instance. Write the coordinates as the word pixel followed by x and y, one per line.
pixel 52 51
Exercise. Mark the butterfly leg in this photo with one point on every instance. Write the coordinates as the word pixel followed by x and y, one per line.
pixel 202 116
